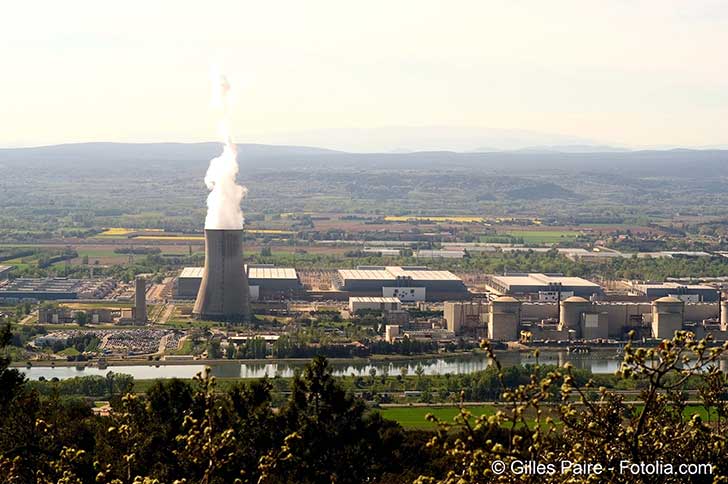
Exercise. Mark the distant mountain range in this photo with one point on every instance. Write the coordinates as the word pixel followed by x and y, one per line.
pixel 687 163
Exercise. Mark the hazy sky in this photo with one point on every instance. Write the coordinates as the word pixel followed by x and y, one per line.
pixel 621 72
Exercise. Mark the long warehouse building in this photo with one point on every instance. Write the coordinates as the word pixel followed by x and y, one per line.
pixel 408 283
pixel 265 282
pixel 546 286
pixel 54 288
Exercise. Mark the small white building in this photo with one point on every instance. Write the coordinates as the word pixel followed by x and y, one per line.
pixel 374 304
pixel 406 294
pixel 391 332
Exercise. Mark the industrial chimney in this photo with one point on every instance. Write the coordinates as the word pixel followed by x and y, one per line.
pixel 223 294
pixel 140 298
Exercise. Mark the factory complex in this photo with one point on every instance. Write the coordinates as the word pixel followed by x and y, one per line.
pixel 508 319
pixel 54 288
pixel 407 284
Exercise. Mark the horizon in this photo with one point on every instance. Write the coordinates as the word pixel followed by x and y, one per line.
pixel 368 78
pixel 576 148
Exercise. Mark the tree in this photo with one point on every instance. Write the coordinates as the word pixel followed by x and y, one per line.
pixel 11 380
pixel 214 352
pixel 331 437
pixel 82 318
pixel 590 425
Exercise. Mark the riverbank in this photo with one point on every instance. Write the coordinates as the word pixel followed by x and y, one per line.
pixel 260 361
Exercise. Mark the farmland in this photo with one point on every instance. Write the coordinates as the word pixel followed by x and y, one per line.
pixel 415 417
pixel 543 236
pixel 414 218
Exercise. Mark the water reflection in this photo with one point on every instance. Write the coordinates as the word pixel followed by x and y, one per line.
pixel 604 362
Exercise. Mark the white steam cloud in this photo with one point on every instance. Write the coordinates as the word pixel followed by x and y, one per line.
pixel 223 202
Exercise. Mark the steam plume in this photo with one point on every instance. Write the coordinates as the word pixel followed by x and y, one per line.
pixel 223 202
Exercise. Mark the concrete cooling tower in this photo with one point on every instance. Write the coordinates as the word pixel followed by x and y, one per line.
pixel 223 294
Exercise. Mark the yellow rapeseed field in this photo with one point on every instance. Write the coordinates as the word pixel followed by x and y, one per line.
pixel 412 218
pixel 119 231
pixel 170 237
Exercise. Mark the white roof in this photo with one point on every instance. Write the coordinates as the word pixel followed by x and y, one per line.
pixel 253 272
pixel 536 279
pixel 375 299
pixel 192 272
pixel 422 274
pixel 672 285
pixel 365 274
pixel 272 273
pixel 390 273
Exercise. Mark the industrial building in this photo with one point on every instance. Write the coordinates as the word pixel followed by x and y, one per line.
pixel 54 288
pixel 264 282
pixel 61 315
pixel 274 282
pixel 684 292
pixel 546 286
pixel 466 317
pixel 395 332
pixel 440 254
pixel 576 318
pixel 409 283
pixel 374 304
pixel 188 282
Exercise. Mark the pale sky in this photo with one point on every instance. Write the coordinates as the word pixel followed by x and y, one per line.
pixel 621 72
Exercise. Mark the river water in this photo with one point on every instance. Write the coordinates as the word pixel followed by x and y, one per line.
pixel 597 362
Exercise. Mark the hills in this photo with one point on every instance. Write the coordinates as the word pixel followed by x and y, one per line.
pixel 111 157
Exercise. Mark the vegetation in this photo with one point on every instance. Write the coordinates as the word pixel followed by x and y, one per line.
pixel 198 432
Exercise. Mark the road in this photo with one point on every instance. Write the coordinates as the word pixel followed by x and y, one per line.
pixel 27 319
pixel 168 310
pixel 163 344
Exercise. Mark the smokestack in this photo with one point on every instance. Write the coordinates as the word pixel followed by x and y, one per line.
pixel 140 297
pixel 223 294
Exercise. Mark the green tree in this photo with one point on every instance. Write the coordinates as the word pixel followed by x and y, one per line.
pixel 590 425
pixel 214 352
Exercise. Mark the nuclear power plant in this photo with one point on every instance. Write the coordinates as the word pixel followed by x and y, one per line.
pixel 223 293
pixel 576 318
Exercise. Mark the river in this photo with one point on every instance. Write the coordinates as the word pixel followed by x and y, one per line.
pixel 597 362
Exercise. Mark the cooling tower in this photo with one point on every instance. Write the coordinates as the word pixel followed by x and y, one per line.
pixel 223 294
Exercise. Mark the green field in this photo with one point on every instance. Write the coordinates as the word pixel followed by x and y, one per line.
pixel 414 417
pixel 543 236
pixel 98 252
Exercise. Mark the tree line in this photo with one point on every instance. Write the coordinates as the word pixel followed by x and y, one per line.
pixel 180 432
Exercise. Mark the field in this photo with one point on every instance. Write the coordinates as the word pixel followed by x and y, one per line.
pixel 122 231
pixel 172 238
pixel 543 236
pixel 410 218
pixel 414 417
pixel 269 232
